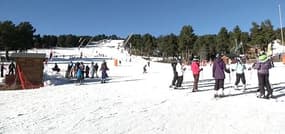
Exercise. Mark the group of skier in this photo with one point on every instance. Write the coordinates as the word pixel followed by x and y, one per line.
pixel 79 71
pixel 11 68
pixel 178 70
pixel 219 68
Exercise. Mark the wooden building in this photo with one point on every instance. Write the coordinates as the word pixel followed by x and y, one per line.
pixel 29 70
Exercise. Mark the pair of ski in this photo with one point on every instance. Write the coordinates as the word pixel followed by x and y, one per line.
pixel 266 97
pixel 177 88
pixel 78 84
pixel 219 96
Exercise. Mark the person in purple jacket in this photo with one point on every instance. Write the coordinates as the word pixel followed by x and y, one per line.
pixel 263 65
pixel 219 69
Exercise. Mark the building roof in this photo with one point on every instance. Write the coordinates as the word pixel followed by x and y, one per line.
pixel 28 55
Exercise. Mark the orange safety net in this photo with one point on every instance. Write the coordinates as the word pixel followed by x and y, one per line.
pixel 25 83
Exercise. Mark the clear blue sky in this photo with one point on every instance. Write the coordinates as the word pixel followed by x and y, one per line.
pixel 122 17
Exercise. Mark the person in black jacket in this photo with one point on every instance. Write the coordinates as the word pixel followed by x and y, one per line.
pixel 12 68
pixel 87 71
pixel 96 69
pixel 175 75
pixel 2 69
pixel 56 68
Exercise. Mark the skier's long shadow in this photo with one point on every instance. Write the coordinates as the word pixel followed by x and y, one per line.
pixel 127 80
pixel 202 85
pixel 279 89
pixel 200 81
pixel 113 80
pixel 86 81
pixel 254 90
pixel 60 80
pixel 243 93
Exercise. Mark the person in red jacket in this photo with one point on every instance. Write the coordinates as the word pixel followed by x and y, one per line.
pixel 195 67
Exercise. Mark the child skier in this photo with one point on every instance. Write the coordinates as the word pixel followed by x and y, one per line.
pixel 239 68
pixel 195 67
pixel 180 71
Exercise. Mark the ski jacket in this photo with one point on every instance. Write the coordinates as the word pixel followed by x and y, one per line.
pixel 79 73
pixel 195 67
pixel 12 66
pixel 240 67
pixel 218 68
pixel 180 69
pixel 104 67
pixel 92 68
pixel 263 66
pixel 96 67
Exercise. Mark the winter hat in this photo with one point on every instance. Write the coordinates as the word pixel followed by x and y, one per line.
pixel 196 58
pixel 262 57
pixel 218 55
pixel 238 59
pixel 261 53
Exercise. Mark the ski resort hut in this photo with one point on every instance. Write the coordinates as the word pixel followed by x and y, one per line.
pixel 29 70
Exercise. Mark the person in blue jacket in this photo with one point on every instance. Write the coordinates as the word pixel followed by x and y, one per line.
pixel 79 73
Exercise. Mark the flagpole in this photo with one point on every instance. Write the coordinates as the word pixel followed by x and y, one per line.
pixel 281 27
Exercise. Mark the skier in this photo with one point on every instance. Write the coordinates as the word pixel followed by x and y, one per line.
pixel 174 80
pixel 144 69
pixel 2 69
pixel 219 69
pixel 263 65
pixel 104 69
pixel 68 71
pixel 50 55
pixel 87 69
pixel 92 70
pixel 96 69
pixel 195 67
pixel 180 71
pixel 239 68
pixel 79 74
pixel 11 68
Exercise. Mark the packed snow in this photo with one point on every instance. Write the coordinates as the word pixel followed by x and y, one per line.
pixel 133 102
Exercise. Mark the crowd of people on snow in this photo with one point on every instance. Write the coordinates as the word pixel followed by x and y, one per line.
pixel 80 71
pixel 219 67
